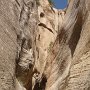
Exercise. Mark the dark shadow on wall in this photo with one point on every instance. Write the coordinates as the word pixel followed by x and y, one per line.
pixel 41 85
pixel 76 33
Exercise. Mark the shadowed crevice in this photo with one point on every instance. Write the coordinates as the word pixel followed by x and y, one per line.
pixel 41 85
pixel 41 24
pixel 76 33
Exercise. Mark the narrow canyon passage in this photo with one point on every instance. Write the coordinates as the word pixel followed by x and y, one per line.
pixel 44 48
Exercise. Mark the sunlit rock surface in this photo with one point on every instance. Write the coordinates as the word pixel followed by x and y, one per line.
pixel 42 48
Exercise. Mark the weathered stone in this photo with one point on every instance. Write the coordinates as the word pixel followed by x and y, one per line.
pixel 43 48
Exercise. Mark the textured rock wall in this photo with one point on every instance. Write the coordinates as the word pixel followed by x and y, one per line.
pixel 43 48
pixel 18 22
pixel 70 69
pixel 8 44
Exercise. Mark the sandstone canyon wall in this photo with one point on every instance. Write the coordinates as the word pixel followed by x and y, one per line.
pixel 42 48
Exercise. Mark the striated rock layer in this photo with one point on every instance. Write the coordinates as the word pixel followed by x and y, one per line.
pixel 42 48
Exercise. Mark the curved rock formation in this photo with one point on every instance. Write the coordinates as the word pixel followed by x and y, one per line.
pixel 43 48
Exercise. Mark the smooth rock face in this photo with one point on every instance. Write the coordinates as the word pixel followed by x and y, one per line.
pixel 18 22
pixel 42 48
pixel 70 69
pixel 8 44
